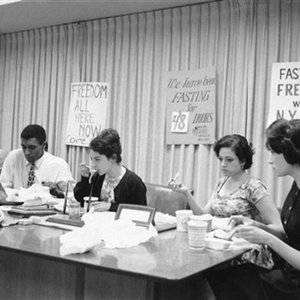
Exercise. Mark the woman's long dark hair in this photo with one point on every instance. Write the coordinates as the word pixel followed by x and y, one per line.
pixel 283 136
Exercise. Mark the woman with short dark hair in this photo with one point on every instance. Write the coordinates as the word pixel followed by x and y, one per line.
pixel 240 147
pixel 238 193
pixel 112 182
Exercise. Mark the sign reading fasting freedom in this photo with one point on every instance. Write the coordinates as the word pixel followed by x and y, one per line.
pixel 87 112
pixel 190 97
pixel 285 91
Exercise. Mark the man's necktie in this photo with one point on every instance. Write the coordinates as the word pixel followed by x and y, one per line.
pixel 30 176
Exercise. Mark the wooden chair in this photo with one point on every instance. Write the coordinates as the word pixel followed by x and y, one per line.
pixel 164 199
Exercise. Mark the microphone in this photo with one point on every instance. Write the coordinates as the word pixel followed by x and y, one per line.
pixel 91 181
pixel 66 198
pixel 92 176
pixel 69 184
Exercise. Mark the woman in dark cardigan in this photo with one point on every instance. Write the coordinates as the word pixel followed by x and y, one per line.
pixel 112 183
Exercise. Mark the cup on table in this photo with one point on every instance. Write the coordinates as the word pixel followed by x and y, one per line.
pixel 74 210
pixel 86 202
pixel 182 217
pixel 196 234
pixel 204 218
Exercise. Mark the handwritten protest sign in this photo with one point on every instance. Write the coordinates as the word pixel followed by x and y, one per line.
pixel 190 97
pixel 285 91
pixel 87 112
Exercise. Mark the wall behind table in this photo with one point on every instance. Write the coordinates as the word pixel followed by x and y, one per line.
pixel 241 38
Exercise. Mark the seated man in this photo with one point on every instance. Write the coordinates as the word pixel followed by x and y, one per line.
pixel 32 163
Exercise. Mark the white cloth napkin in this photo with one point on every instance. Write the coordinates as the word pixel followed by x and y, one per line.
pixel 100 227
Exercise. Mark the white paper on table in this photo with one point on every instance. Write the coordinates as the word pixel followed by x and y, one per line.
pixel 233 244
pixel 101 227
pixel 161 218
pixel 35 195
pixel 221 223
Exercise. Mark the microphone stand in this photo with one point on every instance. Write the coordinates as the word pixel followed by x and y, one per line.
pixel 66 198
pixel 91 192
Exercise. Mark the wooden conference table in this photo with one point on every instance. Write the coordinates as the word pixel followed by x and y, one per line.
pixel 162 268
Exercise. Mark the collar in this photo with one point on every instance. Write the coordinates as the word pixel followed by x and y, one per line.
pixel 38 162
pixel 118 178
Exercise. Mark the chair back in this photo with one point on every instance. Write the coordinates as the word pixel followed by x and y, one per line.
pixel 164 199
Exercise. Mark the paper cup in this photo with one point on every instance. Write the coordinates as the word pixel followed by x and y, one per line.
pixel 196 234
pixel 182 217
pixel 74 210
pixel 208 219
pixel 86 201
pixel 196 218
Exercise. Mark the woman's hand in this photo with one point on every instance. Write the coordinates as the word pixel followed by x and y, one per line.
pixel 100 206
pixel 177 187
pixel 84 169
pixel 175 182
pixel 252 234
pixel 240 220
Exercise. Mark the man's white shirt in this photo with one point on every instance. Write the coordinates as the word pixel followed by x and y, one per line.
pixel 48 168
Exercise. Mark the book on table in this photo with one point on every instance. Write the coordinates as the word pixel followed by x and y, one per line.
pixel 35 207
pixel 34 210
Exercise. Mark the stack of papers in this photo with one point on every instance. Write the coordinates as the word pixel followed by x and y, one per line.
pixel 36 201
pixel 19 210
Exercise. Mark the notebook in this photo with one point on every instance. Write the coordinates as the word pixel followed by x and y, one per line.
pixel 164 227
pixel 65 220
pixel 29 213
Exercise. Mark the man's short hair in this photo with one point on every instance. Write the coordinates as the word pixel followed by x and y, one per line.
pixel 34 131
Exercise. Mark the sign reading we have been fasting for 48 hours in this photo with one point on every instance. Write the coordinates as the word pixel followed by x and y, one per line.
pixel 285 91
pixel 87 112
pixel 190 98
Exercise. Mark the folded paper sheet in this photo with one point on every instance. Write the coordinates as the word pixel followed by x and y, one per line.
pixel 161 218
pixel 101 228
pixel 217 243
pixel 214 240
pixel 221 223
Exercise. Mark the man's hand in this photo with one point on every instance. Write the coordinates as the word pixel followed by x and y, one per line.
pixel 58 189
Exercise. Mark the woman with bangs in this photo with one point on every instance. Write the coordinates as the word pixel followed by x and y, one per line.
pixel 239 193
pixel 112 183
pixel 236 192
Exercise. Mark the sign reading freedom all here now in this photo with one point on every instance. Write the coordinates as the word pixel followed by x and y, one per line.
pixel 87 112
pixel 285 91
pixel 190 97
